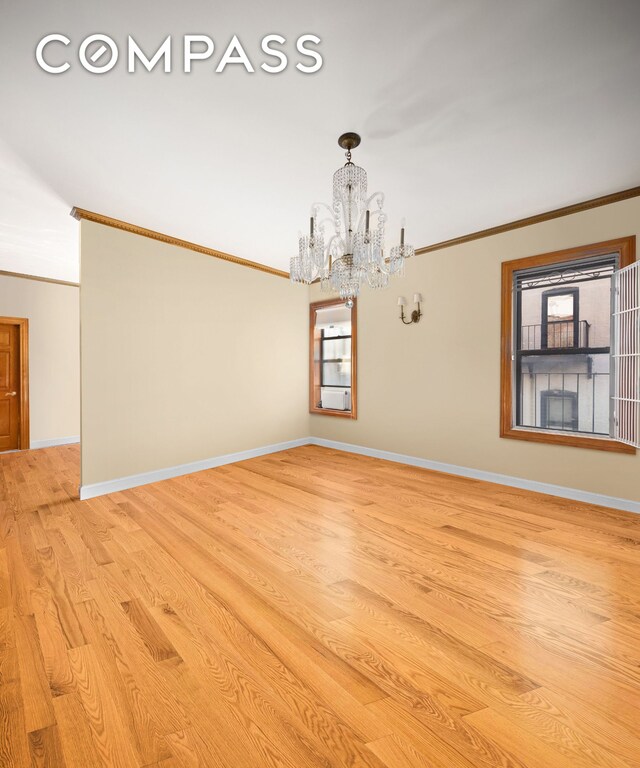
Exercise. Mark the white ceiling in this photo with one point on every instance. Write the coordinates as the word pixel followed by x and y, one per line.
pixel 37 235
pixel 472 113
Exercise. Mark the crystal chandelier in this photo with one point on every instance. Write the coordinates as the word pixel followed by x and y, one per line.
pixel 345 244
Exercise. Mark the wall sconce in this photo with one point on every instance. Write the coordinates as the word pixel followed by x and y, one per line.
pixel 416 314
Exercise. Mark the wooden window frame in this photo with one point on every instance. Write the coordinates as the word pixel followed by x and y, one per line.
pixel 23 336
pixel 314 362
pixel 625 247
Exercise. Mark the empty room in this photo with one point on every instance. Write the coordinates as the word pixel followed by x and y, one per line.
pixel 320 384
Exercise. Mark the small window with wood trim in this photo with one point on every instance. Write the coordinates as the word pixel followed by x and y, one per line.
pixel 332 359
pixel 561 359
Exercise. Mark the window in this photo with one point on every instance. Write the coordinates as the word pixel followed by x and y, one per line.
pixel 559 409
pixel 557 377
pixel 560 318
pixel 332 359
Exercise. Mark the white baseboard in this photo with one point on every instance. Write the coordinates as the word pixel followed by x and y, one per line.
pixel 55 441
pixel 122 483
pixel 515 482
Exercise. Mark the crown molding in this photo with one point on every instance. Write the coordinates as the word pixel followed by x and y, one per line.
pixel 108 221
pixel 596 202
pixel 23 276
pixel 98 218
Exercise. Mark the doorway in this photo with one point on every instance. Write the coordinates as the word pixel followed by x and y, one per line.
pixel 14 383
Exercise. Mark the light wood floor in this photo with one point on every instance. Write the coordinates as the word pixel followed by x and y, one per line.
pixel 313 608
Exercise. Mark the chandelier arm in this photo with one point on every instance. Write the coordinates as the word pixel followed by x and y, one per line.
pixel 330 221
pixel 340 240
pixel 315 207
pixel 383 266
pixel 372 197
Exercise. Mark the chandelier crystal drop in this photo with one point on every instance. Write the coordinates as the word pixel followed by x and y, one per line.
pixel 345 247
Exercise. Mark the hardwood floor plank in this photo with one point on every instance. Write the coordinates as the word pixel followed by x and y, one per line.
pixel 193 752
pixel 76 738
pixel 14 749
pixel 137 711
pixel 172 762
pixel 36 694
pixel 72 565
pixel 396 752
pixel 62 597
pixel 113 744
pixel 20 581
pixel 443 740
pixel 29 562
pixel 622 740
pixel 46 749
pixel 558 750
pixel 617 700
pixel 37 528
pixel 53 642
pixel 153 637
pixel 5 596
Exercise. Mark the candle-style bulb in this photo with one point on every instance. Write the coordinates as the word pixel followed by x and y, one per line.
pixel 366 224
pixel 402 223
pixel 311 226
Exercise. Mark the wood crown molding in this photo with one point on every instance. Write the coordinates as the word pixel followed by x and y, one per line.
pixel 107 221
pixel 24 276
pixel 596 202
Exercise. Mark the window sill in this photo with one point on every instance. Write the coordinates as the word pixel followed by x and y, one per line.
pixel 575 441
pixel 330 412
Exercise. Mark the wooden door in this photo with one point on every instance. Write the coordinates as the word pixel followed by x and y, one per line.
pixel 9 387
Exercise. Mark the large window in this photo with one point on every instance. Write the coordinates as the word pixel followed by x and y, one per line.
pixel 332 359
pixel 557 377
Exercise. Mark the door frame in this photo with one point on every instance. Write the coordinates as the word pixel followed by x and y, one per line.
pixel 23 407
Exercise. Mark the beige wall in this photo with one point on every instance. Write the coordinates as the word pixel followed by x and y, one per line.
pixel 54 365
pixel 432 390
pixel 184 356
